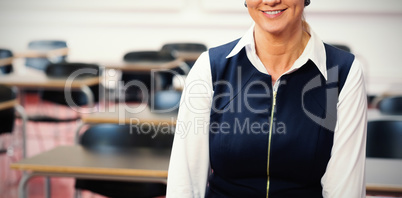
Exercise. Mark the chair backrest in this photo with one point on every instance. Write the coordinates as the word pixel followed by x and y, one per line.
pixel 342 47
pixel 6 61
pixel 165 101
pixel 173 48
pixel 391 105
pixel 186 47
pixel 165 80
pixel 116 137
pixel 384 139
pixel 7 116
pixel 64 70
pixel 6 93
pixel 43 46
pixel 148 56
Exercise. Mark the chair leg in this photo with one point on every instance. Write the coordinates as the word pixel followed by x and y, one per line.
pixel 77 193
pixel 39 136
pixel 6 156
pixel 48 191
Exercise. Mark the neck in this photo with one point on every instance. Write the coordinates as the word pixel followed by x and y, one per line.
pixel 278 52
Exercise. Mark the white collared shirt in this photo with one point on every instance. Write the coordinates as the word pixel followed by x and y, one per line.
pixel 189 162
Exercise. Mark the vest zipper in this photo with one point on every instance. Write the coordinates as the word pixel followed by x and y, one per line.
pixel 275 89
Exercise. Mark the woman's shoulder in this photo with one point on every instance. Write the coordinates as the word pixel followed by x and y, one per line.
pixel 339 64
pixel 230 44
pixel 223 49
pixel 338 51
pixel 338 57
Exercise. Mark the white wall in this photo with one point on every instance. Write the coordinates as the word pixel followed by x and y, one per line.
pixel 100 30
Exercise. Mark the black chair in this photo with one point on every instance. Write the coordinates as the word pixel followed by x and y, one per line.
pixel 41 63
pixel 384 139
pixel 114 138
pixel 64 70
pixel 133 93
pixel 7 119
pixel 188 52
pixel 370 100
pixel 6 65
pixel 391 105
pixel 165 101
pixel 8 110
pixel 174 48
pixel 7 115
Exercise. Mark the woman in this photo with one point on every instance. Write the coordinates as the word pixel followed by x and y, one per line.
pixel 276 113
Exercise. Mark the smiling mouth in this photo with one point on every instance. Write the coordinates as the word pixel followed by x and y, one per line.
pixel 274 12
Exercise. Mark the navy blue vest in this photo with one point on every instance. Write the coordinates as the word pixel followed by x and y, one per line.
pixel 247 161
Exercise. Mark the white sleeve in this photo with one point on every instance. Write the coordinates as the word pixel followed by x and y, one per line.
pixel 189 161
pixel 345 173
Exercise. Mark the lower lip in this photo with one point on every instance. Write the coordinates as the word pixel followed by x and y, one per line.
pixel 273 15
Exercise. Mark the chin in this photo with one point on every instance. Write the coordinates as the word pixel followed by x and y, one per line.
pixel 274 30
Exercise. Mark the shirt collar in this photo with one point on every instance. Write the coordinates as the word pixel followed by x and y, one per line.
pixel 314 51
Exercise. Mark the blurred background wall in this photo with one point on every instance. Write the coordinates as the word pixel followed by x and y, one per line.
pixel 103 30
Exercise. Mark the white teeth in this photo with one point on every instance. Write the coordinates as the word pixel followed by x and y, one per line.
pixel 273 12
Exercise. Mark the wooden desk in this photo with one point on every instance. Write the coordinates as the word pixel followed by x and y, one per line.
pixel 127 114
pixel 8 104
pixel 6 61
pixel 384 176
pixel 43 53
pixel 37 79
pixel 141 164
pixel 32 79
pixel 147 67
pixel 142 66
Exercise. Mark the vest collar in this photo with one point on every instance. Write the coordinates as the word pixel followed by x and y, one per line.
pixel 314 51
